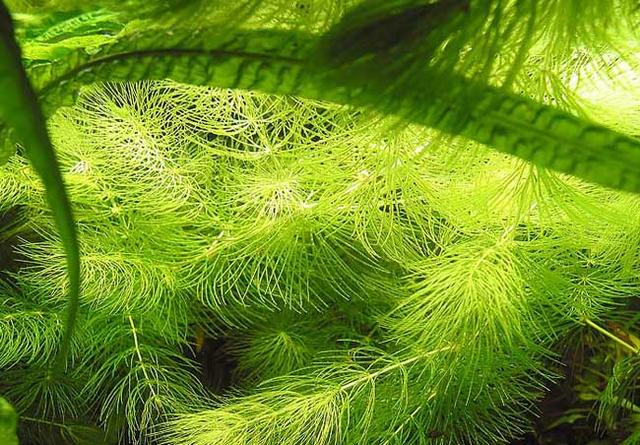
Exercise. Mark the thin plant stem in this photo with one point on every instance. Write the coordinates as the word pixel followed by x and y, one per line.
pixel 140 359
pixel 611 336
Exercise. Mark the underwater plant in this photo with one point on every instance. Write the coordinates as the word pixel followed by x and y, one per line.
pixel 319 222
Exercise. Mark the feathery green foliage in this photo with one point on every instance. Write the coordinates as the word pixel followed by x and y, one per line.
pixel 339 248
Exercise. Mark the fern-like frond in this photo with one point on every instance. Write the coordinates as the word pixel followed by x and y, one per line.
pixel 337 405
pixel 622 393
pixel 143 380
pixel 29 334
pixel 284 343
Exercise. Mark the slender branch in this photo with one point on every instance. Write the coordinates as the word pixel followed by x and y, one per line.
pixel 393 367
pixel 44 422
pixel 140 359
pixel 611 336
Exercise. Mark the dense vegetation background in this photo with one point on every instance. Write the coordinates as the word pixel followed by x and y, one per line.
pixel 322 222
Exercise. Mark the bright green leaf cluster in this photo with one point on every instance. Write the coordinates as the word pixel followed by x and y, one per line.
pixel 365 286
pixel 308 266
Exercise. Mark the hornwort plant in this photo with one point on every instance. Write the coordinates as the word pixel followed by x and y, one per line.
pixel 319 222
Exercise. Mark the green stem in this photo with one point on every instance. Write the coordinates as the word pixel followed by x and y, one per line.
pixel 610 335
pixel 390 368
pixel 140 359
pixel 44 422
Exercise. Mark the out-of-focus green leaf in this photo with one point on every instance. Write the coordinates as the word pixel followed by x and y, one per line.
pixel 569 418
pixel 634 439
pixel 7 149
pixel 47 51
pixel 8 421
pixel 88 435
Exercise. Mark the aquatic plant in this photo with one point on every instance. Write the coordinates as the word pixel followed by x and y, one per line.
pixel 316 222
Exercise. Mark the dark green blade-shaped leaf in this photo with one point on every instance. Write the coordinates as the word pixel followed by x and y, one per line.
pixel 540 134
pixel 378 56
pixel 88 435
pixel 19 109
pixel 8 421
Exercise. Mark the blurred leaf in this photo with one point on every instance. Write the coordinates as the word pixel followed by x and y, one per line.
pixel 567 419
pixel 88 435
pixel 7 148
pixel 8 421
pixel 634 439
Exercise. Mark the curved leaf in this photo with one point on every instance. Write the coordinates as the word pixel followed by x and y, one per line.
pixel 264 60
pixel 400 57
pixel 20 110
